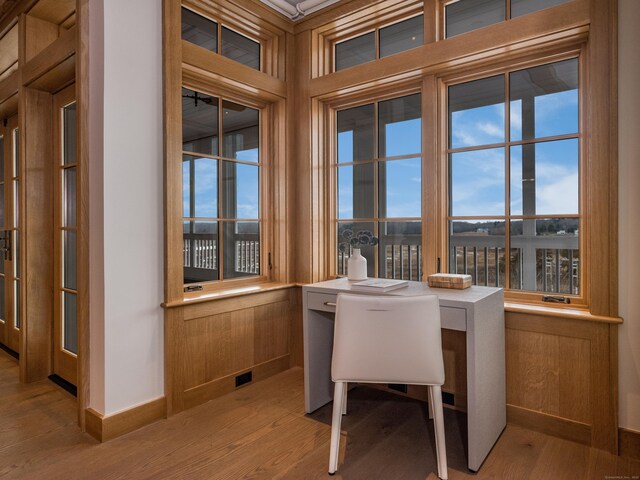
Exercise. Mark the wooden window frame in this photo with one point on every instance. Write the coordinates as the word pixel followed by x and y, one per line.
pixel 190 66
pixel 264 200
pixel 513 295
pixel 368 20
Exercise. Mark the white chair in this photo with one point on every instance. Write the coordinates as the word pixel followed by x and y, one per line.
pixel 387 339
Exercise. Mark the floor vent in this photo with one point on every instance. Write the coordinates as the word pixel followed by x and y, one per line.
pixel 243 378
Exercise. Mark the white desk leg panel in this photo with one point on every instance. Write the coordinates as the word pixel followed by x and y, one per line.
pixel 318 348
pixel 486 391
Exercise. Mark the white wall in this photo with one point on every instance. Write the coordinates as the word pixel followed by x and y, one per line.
pixel 629 211
pixel 132 181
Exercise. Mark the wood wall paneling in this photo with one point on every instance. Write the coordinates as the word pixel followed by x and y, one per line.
pixel 54 66
pixel 38 35
pixel 82 105
pixel 37 215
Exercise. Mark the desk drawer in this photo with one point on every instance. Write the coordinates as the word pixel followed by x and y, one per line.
pixel 453 318
pixel 325 302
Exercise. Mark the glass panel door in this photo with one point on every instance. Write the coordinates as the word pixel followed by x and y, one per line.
pixel 9 253
pixel 65 238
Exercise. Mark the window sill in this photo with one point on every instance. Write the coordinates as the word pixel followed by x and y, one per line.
pixel 571 313
pixel 228 293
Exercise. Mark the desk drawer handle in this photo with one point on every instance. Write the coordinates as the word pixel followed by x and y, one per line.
pixel 330 304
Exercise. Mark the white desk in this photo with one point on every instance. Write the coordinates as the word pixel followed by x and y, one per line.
pixel 478 311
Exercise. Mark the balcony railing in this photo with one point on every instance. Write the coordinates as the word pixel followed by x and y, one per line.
pixel 538 263
pixel 200 256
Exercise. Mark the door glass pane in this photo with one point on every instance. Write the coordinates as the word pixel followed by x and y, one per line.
pixel 399 126
pixel 477 183
pixel 522 7
pixel 2 217
pixel 199 30
pixel 399 188
pixel 241 249
pixel 402 36
pixel 544 178
pixel 16 152
pixel 544 100
pixel 355 191
pixel 16 254
pixel 69 129
pixel 400 250
pixel 16 204
pixel 199 122
pixel 466 15
pixel 476 113
pixel 240 48
pixel 348 231
pixel 2 156
pixel 16 304
pixel 356 134
pixel 546 255
pixel 70 255
pixel 69 209
pixel 70 322
pixel 476 248
pixel 200 251
pixel 241 132
pixel 200 187
pixel 358 50
pixel 3 306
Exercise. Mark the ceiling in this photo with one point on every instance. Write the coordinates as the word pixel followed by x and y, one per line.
pixel 297 9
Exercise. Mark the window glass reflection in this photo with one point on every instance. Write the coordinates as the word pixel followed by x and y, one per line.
pixel 467 15
pixel 199 30
pixel 356 134
pixel 402 36
pixel 355 191
pixel 544 100
pixel 476 113
pixel 70 322
pixel 240 190
pixel 240 48
pixel 241 249
pixel 400 250
pixel 241 132
pixel 544 178
pixel 399 126
pixel 477 183
pixel 523 7
pixel 400 193
pixel 355 51
pixel 199 122
pixel 200 251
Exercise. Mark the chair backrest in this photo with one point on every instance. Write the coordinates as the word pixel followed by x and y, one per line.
pixel 387 339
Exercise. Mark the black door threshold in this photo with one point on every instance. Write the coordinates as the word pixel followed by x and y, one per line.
pixel 61 382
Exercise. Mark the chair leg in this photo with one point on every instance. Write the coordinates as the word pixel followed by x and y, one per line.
pixel 336 421
pixel 430 404
pixel 344 398
pixel 435 395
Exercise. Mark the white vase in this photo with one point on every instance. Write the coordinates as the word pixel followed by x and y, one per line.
pixel 357 266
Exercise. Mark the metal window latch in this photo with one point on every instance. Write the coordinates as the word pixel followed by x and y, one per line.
pixel 555 299
pixel 193 288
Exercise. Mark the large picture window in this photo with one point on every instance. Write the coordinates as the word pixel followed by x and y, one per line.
pixel 378 171
pixel 514 185
pixel 221 169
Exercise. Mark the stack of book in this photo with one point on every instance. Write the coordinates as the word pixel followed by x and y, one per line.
pixel 379 285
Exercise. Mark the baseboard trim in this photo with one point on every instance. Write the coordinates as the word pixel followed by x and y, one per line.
pixel 629 443
pixel 550 424
pixel 221 386
pixel 106 428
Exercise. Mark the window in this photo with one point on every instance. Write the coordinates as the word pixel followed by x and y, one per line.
pixel 463 16
pixel 205 33
pixel 379 184
pixel 392 39
pixel 514 196
pixel 221 170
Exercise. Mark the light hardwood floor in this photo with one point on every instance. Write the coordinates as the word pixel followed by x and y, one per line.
pixel 261 432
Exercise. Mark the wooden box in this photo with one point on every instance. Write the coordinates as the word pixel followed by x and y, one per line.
pixel 449 280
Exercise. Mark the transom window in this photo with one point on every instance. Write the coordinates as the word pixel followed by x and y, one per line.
pixel 205 33
pixel 380 43
pixel 463 16
pixel 221 169
pixel 514 186
pixel 379 184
